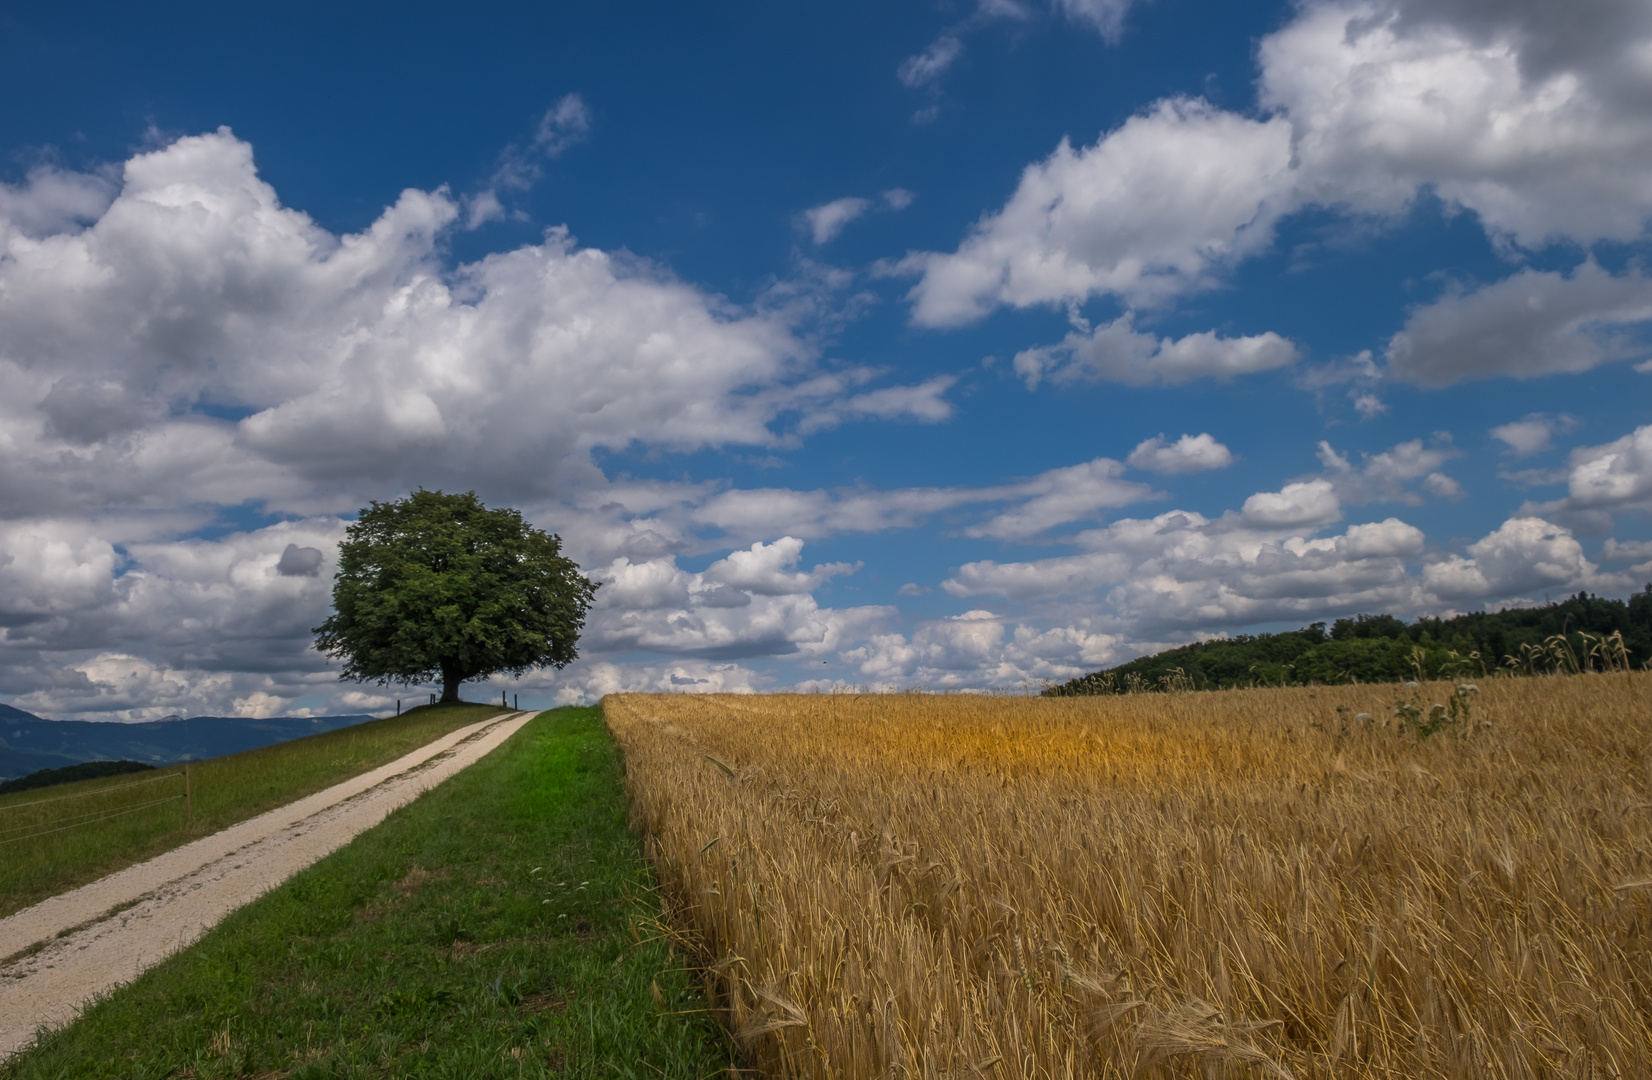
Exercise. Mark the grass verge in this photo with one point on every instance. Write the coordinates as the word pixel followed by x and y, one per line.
pixel 500 926
pixel 59 838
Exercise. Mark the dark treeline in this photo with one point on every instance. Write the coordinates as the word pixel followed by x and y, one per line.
pixel 1572 635
pixel 86 770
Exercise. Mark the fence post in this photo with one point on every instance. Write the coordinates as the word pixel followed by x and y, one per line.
pixel 189 798
pixel 503 703
pixel 516 702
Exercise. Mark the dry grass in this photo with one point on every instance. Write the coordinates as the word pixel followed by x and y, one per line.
pixel 1248 882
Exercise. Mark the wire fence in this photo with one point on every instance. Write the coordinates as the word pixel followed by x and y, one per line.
pixel 91 820
pixel 95 791
pixel 35 830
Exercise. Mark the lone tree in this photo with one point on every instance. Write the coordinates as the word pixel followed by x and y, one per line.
pixel 440 586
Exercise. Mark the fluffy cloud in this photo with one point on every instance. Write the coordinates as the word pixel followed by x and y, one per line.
pixel 824 222
pixel 752 603
pixel 356 356
pixel 587 681
pixel 50 569
pixel 1600 481
pixel 1530 324
pixel 663 518
pixel 1311 502
pixel 764 569
pixel 51 200
pixel 1611 477
pixel 1533 120
pixel 1626 550
pixel 1181 570
pixel 981 649
pixel 136 316
pixel 1533 434
pixel 1062 495
pixel 1155 208
pixel 1117 352
pixel 925 403
pixel 828 219
pixel 1188 454
pixel 1523 555
pixel 164 625
pixel 1480 102
pixel 1383 476
pixel 223 604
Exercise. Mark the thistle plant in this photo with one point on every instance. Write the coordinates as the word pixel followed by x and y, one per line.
pixel 1455 713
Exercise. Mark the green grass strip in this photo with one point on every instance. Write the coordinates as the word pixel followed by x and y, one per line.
pixel 499 926
pixel 58 838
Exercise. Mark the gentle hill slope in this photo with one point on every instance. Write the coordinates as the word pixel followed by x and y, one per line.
pixel 1382 648
pixel 80 831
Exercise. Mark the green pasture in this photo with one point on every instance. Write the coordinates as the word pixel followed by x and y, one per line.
pixel 502 925
pixel 54 839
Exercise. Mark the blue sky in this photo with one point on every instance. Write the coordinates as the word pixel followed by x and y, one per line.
pixel 963 345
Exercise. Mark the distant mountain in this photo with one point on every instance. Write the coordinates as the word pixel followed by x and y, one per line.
pixel 29 743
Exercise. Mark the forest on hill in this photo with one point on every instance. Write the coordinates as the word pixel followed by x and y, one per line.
pixel 1583 632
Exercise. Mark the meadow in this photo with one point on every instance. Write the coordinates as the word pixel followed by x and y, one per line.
pixel 501 925
pixel 55 839
pixel 1350 881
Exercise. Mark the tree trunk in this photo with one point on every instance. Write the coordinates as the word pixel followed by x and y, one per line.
pixel 450 684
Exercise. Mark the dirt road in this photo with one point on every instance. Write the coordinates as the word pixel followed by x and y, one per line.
pixel 111 931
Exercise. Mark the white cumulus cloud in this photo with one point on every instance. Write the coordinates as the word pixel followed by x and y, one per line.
pixel 1532 434
pixel 1475 101
pixel 1188 454
pixel 1155 208
pixel 1523 555
pixel 1117 352
pixel 1613 476
pixel 1531 117
pixel 1307 503
pixel 1384 476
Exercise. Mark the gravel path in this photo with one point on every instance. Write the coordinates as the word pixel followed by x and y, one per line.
pixel 111 931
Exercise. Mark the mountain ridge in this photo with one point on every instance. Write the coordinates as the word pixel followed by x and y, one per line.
pixel 29 743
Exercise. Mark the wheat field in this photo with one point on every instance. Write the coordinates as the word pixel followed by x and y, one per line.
pixel 1250 882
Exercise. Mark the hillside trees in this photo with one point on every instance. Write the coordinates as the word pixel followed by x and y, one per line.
pixel 1383 648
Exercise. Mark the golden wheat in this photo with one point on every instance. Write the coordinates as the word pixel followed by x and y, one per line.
pixel 1252 881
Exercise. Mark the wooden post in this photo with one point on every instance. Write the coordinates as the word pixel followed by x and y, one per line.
pixel 398 706
pixel 504 703
pixel 516 702
pixel 189 798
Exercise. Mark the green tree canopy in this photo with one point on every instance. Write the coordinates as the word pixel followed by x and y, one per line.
pixel 438 586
